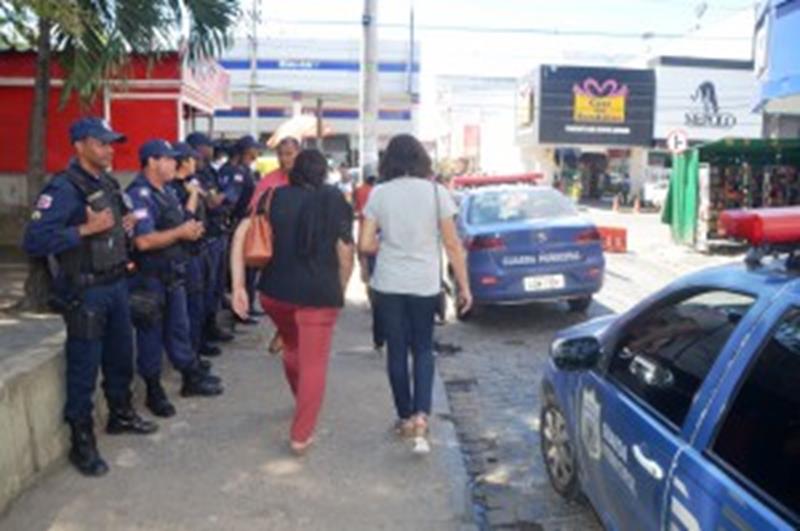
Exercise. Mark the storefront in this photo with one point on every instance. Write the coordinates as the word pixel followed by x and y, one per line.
pixel 729 174
pixel 578 125
pixel 778 67
pixel 161 98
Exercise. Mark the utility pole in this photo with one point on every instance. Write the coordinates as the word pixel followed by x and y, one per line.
pixel 252 94
pixel 369 100
pixel 319 124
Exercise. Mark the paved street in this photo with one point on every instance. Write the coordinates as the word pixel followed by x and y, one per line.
pixel 224 463
pixel 493 381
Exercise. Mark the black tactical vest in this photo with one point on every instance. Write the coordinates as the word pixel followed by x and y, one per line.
pixel 170 215
pixel 100 253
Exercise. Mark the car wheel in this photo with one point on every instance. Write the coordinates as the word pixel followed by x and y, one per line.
pixel 558 452
pixel 580 305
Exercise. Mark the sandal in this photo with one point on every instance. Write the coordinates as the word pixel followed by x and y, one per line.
pixel 404 428
pixel 276 344
pixel 421 444
pixel 300 449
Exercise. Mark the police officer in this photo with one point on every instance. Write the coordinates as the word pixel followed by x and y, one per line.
pixel 192 194
pixel 217 229
pixel 238 185
pixel 80 222
pixel 160 239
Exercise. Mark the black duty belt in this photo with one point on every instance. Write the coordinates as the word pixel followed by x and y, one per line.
pixel 87 280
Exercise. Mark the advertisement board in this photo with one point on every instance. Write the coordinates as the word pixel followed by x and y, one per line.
pixel 709 99
pixel 600 106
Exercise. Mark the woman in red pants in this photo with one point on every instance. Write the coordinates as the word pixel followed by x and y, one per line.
pixel 302 288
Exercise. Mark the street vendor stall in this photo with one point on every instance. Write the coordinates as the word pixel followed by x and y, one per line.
pixel 728 174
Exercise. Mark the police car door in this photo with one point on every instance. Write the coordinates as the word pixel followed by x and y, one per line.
pixel 742 472
pixel 633 412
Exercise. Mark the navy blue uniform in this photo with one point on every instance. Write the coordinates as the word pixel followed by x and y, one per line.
pixel 90 281
pixel 217 231
pixel 196 265
pixel 161 272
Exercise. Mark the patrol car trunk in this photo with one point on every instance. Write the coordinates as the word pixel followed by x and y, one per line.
pixel 561 242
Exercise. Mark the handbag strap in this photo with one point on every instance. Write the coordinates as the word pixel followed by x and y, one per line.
pixel 438 231
pixel 264 205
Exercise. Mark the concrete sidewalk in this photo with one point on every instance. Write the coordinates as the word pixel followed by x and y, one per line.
pixel 224 463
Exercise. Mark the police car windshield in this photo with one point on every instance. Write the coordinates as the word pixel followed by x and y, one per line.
pixel 521 204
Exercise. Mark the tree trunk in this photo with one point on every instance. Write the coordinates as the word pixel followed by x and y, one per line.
pixel 37 283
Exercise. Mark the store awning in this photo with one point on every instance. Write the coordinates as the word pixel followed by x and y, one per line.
pixel 755 152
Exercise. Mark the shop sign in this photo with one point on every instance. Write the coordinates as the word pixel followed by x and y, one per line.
pixel 708 113
pixel 596 106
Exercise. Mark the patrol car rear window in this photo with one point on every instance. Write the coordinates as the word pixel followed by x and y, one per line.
pixel 760 435
pixel 504 206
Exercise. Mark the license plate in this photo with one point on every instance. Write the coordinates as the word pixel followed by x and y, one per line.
pixel 544 283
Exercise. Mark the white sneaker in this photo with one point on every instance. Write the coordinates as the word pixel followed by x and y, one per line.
pixel 421 446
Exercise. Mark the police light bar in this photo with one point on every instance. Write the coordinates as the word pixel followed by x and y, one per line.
pixel 463 181
pixel 763 226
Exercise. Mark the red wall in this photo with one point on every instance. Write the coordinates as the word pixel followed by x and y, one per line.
pixel 141 120
pixel 15 128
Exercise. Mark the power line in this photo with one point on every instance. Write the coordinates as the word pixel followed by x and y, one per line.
pixel 518 31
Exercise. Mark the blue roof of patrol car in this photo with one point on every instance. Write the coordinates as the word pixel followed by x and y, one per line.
pixel 766 279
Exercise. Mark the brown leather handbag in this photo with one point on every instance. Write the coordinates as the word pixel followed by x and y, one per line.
pixel 258 239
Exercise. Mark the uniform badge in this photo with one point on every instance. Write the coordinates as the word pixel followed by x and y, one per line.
pixel 45 201
pixel 140 213
pixel 144 192
pixel 36 215
pixel 239 178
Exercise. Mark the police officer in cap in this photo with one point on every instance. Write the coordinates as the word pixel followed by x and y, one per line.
pixel 217 229
pixel 80 223
pixel 160 240
pixel 238 184
pixel 192 194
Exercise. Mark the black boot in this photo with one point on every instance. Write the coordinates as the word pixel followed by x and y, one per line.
pixel 195 383
pixel 204 364
pixel 157 401
pixel 83 454
pixel 209 351
pixel 122 418
pixel 205 370
pixel 215 333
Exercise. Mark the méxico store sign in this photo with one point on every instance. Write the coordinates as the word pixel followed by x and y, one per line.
pixel 605 106
pixel 709 99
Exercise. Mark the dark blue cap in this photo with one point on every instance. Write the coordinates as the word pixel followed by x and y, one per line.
pixel 247 142
pixel 186 151
pixel 95 128
pixel 157 148
pixel 198 139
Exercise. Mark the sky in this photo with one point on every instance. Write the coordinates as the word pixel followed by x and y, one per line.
pixel 502 51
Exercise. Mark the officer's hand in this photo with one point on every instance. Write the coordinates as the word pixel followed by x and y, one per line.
pixel 194 189
pixel 241 303
pixel 129 223
pixel 96 222
pixel 192 230
pixel 215 199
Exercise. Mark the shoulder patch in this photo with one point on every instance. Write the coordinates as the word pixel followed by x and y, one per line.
pixel 144 192
pixel 45 201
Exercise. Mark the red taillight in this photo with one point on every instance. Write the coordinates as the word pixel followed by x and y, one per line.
pixel 589 236
pixel 489 281
pixel 763 226
pixel 485 243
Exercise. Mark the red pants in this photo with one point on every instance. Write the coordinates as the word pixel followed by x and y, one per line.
pixel 306 333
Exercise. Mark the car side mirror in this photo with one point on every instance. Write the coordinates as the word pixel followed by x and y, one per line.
pixel 576 354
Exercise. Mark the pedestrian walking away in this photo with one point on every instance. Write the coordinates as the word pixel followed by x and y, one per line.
pixel 160 239
pixel 302 288
pixel 407 276
pixel 287 150
pixel 80 223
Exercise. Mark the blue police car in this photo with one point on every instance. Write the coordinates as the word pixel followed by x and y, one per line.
pixel 684 412
pixel 526 244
